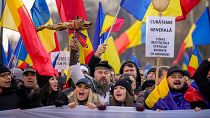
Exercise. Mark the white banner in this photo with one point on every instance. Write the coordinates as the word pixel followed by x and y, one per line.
pixel 160 34
pixel 60 59
pixel 110 112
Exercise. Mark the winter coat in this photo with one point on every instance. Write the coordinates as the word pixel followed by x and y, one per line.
pixel 200 77
pixel 41 97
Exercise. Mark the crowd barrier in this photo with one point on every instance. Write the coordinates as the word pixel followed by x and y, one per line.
pixel 110 112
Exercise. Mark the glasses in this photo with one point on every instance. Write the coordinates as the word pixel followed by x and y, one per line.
pixel 4 75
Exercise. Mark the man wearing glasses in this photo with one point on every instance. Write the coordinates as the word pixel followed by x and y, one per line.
pixel 9 98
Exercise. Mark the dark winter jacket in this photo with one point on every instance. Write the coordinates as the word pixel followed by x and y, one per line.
pixel 200 77
pixel 91 64
pixel 41 97
pixel 9 99
pixel 138 79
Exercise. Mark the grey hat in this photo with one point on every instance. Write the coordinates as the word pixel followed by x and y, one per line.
pixel 85 81
pixel 17 73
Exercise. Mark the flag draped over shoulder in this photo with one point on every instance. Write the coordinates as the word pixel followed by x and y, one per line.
pixel 100 36
pixel 164 99
pixel 201 34
pixel 132 37
pixel 142 8
pixel 195 61
pixel 160 97
pixel 69 10
pixel 39 56
pixel 188 43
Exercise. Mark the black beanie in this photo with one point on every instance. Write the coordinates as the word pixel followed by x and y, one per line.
pixel 125 83
pixel 3 68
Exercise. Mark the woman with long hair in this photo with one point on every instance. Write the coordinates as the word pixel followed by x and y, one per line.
pixel 83 95
pixel 122 94
pixel 48 93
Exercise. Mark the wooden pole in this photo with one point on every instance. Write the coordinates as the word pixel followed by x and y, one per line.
pixel 157 71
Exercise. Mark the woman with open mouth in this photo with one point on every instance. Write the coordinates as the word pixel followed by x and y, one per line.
pixel 122 93
pixel 83 95
pixel 48 93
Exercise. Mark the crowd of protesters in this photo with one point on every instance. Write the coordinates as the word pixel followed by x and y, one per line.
pixel 96 85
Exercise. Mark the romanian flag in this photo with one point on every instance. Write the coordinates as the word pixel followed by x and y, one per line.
pixel 195 61
pixel 185 61
pixel 21 55
pixel 188 43
pixel 164 99
pixel 110 54
pixel 69 10
pixel 41 16
pixel 142 8
pixel 103 24
pixel 201 34
pixel 160 97
pixel 39 56
pixel 6 19
pixel 132 37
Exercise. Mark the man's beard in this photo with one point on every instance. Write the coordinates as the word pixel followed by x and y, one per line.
pixel 104 85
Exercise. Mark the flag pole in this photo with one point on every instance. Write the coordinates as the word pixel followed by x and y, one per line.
pixel 1 39
pixel 115 18
pixel 16 61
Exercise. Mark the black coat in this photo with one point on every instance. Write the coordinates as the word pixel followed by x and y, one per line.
pixel 41 97
pixel 9 99
pixel 200 77
pixel 91 64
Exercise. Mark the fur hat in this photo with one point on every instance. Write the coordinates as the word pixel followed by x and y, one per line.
pixel 3 68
